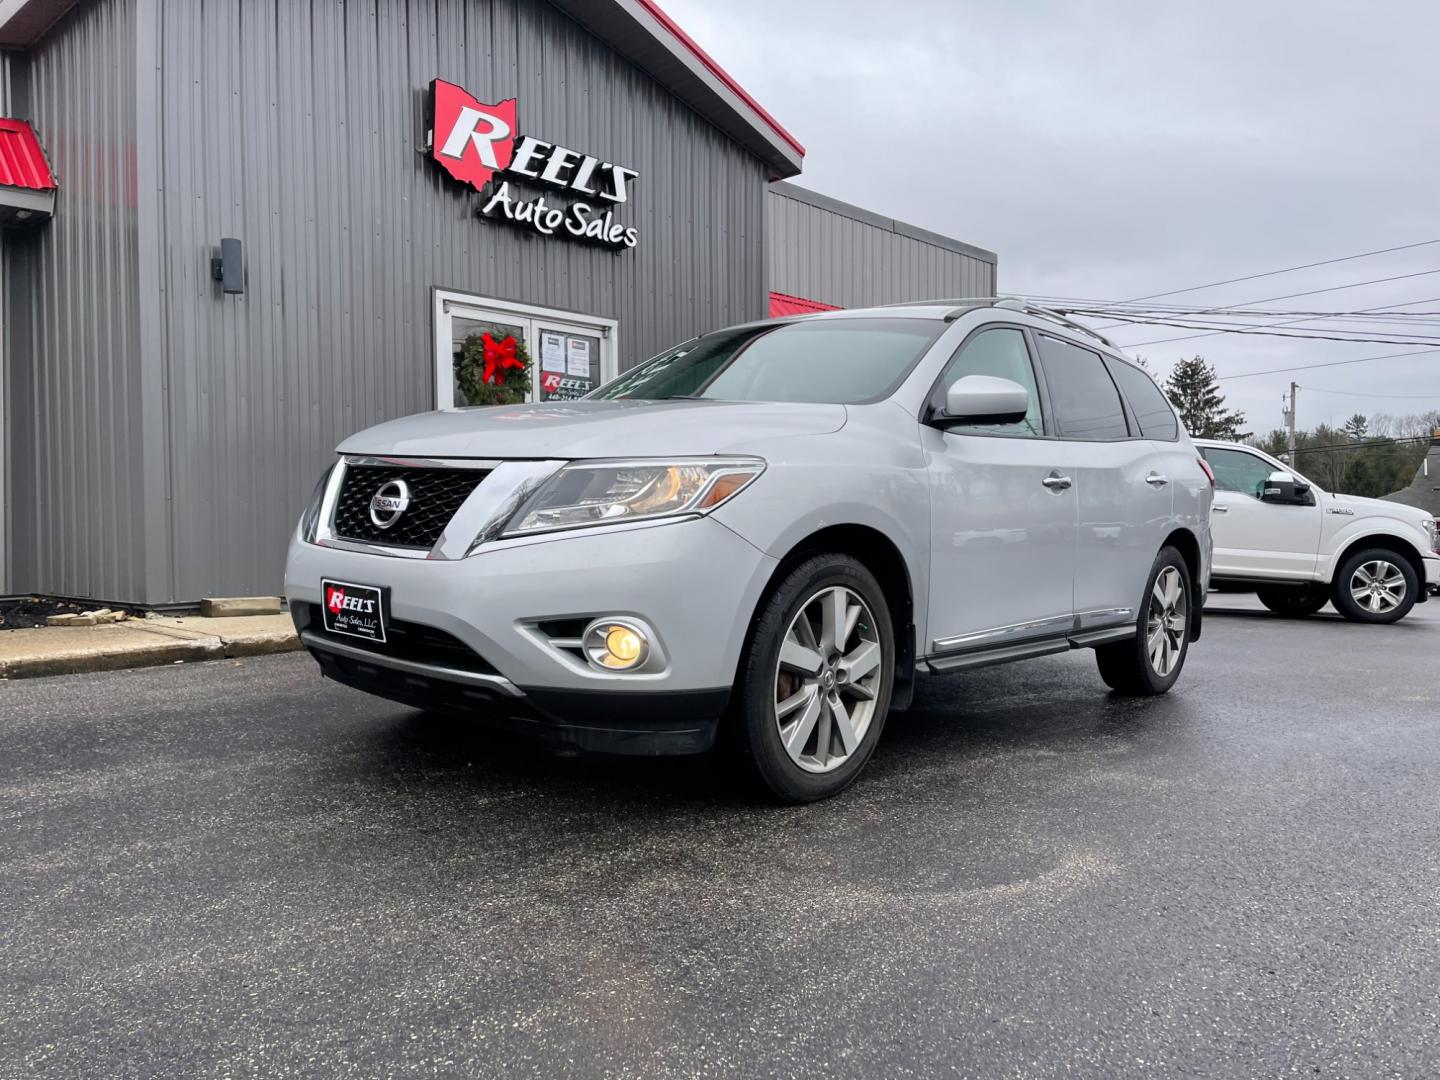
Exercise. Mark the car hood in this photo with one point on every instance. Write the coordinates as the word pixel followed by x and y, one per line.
pixel 594 429
pixel 1363 506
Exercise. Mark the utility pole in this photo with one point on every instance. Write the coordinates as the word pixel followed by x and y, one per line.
pixel 1288 411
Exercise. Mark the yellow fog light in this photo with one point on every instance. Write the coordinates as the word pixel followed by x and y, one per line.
pixel 615 646
pixel 623 644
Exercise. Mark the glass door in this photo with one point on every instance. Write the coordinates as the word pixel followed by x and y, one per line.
pixel 569 362
pixel 570 354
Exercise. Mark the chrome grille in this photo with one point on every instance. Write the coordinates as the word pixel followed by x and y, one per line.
pixel 435 495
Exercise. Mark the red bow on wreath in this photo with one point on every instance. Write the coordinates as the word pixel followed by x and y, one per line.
pixel 499 354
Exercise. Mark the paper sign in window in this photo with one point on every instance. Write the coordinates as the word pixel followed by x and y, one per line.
pixel 577 357
pixel 552 352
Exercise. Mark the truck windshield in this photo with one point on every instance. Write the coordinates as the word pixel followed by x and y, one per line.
pixel 840 361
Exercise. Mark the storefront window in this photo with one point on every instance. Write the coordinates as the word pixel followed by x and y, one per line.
pixel 570 354
pixel 468 334
pixel 568 362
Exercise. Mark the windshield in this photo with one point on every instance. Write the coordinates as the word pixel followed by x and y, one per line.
pixel 837 361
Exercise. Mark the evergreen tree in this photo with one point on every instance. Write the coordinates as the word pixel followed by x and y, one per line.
pixel 1329 460
pixel 1356 427
pixel 1195 392
pixel 1275 443
pixel 1380 470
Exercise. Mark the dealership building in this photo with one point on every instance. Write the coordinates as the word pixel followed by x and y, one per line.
pixel 234 232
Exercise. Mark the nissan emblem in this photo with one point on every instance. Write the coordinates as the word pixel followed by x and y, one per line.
pixel 389 503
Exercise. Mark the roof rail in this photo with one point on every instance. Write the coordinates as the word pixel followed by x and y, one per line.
pixel 940 301
pixel 963 304
pixel 1018 303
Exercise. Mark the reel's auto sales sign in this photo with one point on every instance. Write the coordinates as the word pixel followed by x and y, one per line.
pixel 474 142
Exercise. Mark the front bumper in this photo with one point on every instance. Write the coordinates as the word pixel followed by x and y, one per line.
pixel 1432 575
pixel 694 582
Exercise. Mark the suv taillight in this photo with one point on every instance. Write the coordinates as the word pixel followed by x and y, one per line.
pixel 1209 472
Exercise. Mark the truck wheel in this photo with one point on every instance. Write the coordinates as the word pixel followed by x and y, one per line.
pixel 1375 586
pixel 1293 602
pixel 1150 662
pixel 814 683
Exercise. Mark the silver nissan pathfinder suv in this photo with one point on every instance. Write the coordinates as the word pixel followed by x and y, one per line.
pixel 767 534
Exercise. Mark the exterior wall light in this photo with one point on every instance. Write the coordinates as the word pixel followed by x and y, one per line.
pixel 228 267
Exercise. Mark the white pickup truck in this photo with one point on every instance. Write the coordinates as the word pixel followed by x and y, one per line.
pixel 1298 547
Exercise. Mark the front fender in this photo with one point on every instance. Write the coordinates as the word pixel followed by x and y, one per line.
pixel 1357 532
pixel 866 475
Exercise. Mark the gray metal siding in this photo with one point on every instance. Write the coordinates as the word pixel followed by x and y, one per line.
pixel 9 66
pixel 820 252
pixel 296 127
pixel 71 305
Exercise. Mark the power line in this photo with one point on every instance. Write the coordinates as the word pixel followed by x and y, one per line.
pixel 1330 364
pixel 1288 296
pixel 1370 316
pixel 1093 304
pixel 1361 444
pixel 1136 313
pixel 1352 393
pixel 1263 330
pixel 1287 270
pixel 1197 311
pixel 1289 322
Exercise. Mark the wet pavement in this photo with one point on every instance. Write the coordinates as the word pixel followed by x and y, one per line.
pixel 236 869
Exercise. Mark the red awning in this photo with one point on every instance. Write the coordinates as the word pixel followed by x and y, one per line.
pixel 22 162
pixel 785 304
pixel 27 186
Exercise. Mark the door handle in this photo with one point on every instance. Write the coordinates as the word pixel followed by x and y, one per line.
pixel 1156 480
pixel 1219 509
pixel 1056 482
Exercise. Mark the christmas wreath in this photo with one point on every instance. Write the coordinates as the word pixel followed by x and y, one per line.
pixel 493 372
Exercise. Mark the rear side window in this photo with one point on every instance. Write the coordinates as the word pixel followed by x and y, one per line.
pixel 1086 403
pixel 1152 411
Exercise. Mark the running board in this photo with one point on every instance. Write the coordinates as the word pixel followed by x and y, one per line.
pixel 978 658
pixel 1090 638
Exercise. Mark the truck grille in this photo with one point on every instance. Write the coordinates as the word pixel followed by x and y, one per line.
pixel 435 495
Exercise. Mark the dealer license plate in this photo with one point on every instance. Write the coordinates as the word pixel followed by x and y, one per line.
pixel 354 610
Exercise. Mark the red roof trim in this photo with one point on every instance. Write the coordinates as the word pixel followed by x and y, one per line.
pixel 782 304
pixel 22 162
pixel 720 73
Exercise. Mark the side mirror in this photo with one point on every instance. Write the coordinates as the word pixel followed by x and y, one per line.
pixel 1286 489
pixel 983 399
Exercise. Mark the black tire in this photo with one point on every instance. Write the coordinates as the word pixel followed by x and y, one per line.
pixel 1126 666
pixel 1400 574
pixel 1293 602
pixel 755 727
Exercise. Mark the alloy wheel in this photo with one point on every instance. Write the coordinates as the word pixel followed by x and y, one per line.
pixel 1378 586
pixel 1166 622
pixel 827 679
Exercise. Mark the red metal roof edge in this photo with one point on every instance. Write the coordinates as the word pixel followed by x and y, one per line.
pixel 720 73
pixel 26 166
pixel 803 304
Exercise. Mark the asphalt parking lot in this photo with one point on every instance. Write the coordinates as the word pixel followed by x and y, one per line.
pixel 236 869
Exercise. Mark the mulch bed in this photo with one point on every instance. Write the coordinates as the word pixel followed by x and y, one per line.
pixel 28 611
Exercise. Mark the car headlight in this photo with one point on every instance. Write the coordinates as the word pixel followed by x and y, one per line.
pixel 1434 532
pixel 609 492
pixel 310 520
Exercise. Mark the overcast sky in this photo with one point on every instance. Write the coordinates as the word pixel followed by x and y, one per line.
pixel 1114 150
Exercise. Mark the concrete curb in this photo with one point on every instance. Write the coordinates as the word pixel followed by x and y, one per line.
pixel 141 643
